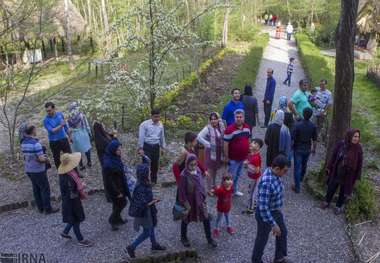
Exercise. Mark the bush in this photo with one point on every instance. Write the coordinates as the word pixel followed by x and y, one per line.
pixel 363 203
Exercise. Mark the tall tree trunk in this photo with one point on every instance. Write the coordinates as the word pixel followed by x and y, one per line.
pixel 152 55
pixel 107 33
pixel 345 73
pixel 68 35
pixel 225 24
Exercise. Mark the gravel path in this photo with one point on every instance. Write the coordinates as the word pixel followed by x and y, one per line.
pixel 314 235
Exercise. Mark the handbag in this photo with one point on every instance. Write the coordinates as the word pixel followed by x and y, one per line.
pixel 179 211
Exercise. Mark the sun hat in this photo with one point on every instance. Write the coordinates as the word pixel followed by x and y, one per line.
pixel 68 162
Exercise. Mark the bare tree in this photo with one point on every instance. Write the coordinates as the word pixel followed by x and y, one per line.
pixel 345 72
pixel 68 34
pixel 225 24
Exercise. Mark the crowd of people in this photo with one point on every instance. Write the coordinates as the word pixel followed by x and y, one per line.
pixel 291 135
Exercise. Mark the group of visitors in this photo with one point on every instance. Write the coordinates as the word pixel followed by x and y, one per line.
pixel 291 133
pixel 270 19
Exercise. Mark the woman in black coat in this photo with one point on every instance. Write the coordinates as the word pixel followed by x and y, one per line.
pixel 115 183
pixel 72 191
pixel 272 137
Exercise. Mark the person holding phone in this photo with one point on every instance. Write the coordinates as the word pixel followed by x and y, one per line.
pixel 143 209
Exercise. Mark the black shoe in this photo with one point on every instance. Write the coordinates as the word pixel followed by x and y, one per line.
pixel 130 251
pixel 158 247
pixel 41 210
pixel 67 236
pixel 185 242
pixel 114 228
pixel 212 243
pixel 51 211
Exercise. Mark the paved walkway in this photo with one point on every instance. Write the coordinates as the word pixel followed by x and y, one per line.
pixel 314 235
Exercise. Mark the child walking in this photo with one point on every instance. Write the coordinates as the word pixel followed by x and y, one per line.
pixel 253 171
pixel 289 72
pixel 223 206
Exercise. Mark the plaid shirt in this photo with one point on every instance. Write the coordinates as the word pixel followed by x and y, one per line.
pixel 270 195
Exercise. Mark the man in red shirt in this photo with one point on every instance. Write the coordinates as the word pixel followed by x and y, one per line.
pixel 236 146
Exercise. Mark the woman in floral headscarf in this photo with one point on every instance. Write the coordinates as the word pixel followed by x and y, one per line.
pixel 81 133
pixel 211 137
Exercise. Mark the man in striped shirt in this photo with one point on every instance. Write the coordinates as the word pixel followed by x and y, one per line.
pixel 35 161
pixel 236 145
pixel 268 212
pixel 289 72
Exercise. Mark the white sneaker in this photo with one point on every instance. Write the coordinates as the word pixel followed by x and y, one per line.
pixel 238 193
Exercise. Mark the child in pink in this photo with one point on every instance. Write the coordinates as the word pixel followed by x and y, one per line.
pixel 224 194
pixel 253 171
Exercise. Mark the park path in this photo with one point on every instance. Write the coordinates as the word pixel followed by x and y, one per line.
pixel 315 236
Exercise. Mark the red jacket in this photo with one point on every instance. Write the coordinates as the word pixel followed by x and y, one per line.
pixel 224 196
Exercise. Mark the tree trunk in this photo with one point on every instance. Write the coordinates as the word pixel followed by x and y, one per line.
pixel 107 33
pixel 345 73
pixel 68 35
pixel 152 67
pixel 225 25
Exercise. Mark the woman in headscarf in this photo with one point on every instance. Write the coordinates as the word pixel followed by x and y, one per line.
pixel 115 183
pixel 101 138
pixel 189 148
pixel 211 137
pixel 72 191
pixel 288 118
pixel 272 137
pixel 143 209
pixel 192 195
pixel 343 169
pixel 251 108
pixel 80 133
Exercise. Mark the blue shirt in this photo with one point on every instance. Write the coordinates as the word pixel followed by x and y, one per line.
pixel 52 122
pixel 270 195
pixel 229 109
pixel 270 89
pixel 31 149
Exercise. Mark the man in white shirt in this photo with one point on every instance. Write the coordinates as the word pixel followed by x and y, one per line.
pixel 289 31
pixel 151 140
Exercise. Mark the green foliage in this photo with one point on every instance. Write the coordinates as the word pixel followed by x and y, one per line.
pixel 363 204
pixel 365 115
pixel 248 69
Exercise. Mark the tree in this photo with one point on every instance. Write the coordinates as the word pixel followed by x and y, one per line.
pixel 68 34
pixel 163 37
pixel 344 76
pixel 225 24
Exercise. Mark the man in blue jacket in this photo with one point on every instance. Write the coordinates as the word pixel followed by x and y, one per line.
pixel 233 105
pixel 58 132
pixel 268 97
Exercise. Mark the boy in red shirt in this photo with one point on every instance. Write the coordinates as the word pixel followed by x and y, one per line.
pixel 253 163
pixel 223 206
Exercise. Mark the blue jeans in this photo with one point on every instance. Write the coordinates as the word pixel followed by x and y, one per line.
pixel 300 166
pixel 76 229
pixel 147 232
pixel 41 190
pixel 263 231
pixel 219 218
pixel 235 168
pixel 288 78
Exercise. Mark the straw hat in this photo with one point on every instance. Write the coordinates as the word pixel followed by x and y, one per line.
pixel 68 162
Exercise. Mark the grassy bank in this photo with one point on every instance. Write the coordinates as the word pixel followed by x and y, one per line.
pixel 365 115
pixel 247 71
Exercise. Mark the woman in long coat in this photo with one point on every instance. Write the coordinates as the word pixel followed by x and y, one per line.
pixel 343 169
pixel 72 191
pixel 272 137
pixel 211 137
pixel 143 209
pixel 114 181
pixel 192 195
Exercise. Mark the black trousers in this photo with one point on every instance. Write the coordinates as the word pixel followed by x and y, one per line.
pixel 267 112
pixel 206 227
pixel 153 152
pixel 58 147
pixel 118 204
pixel 331 190
pixel 263 231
